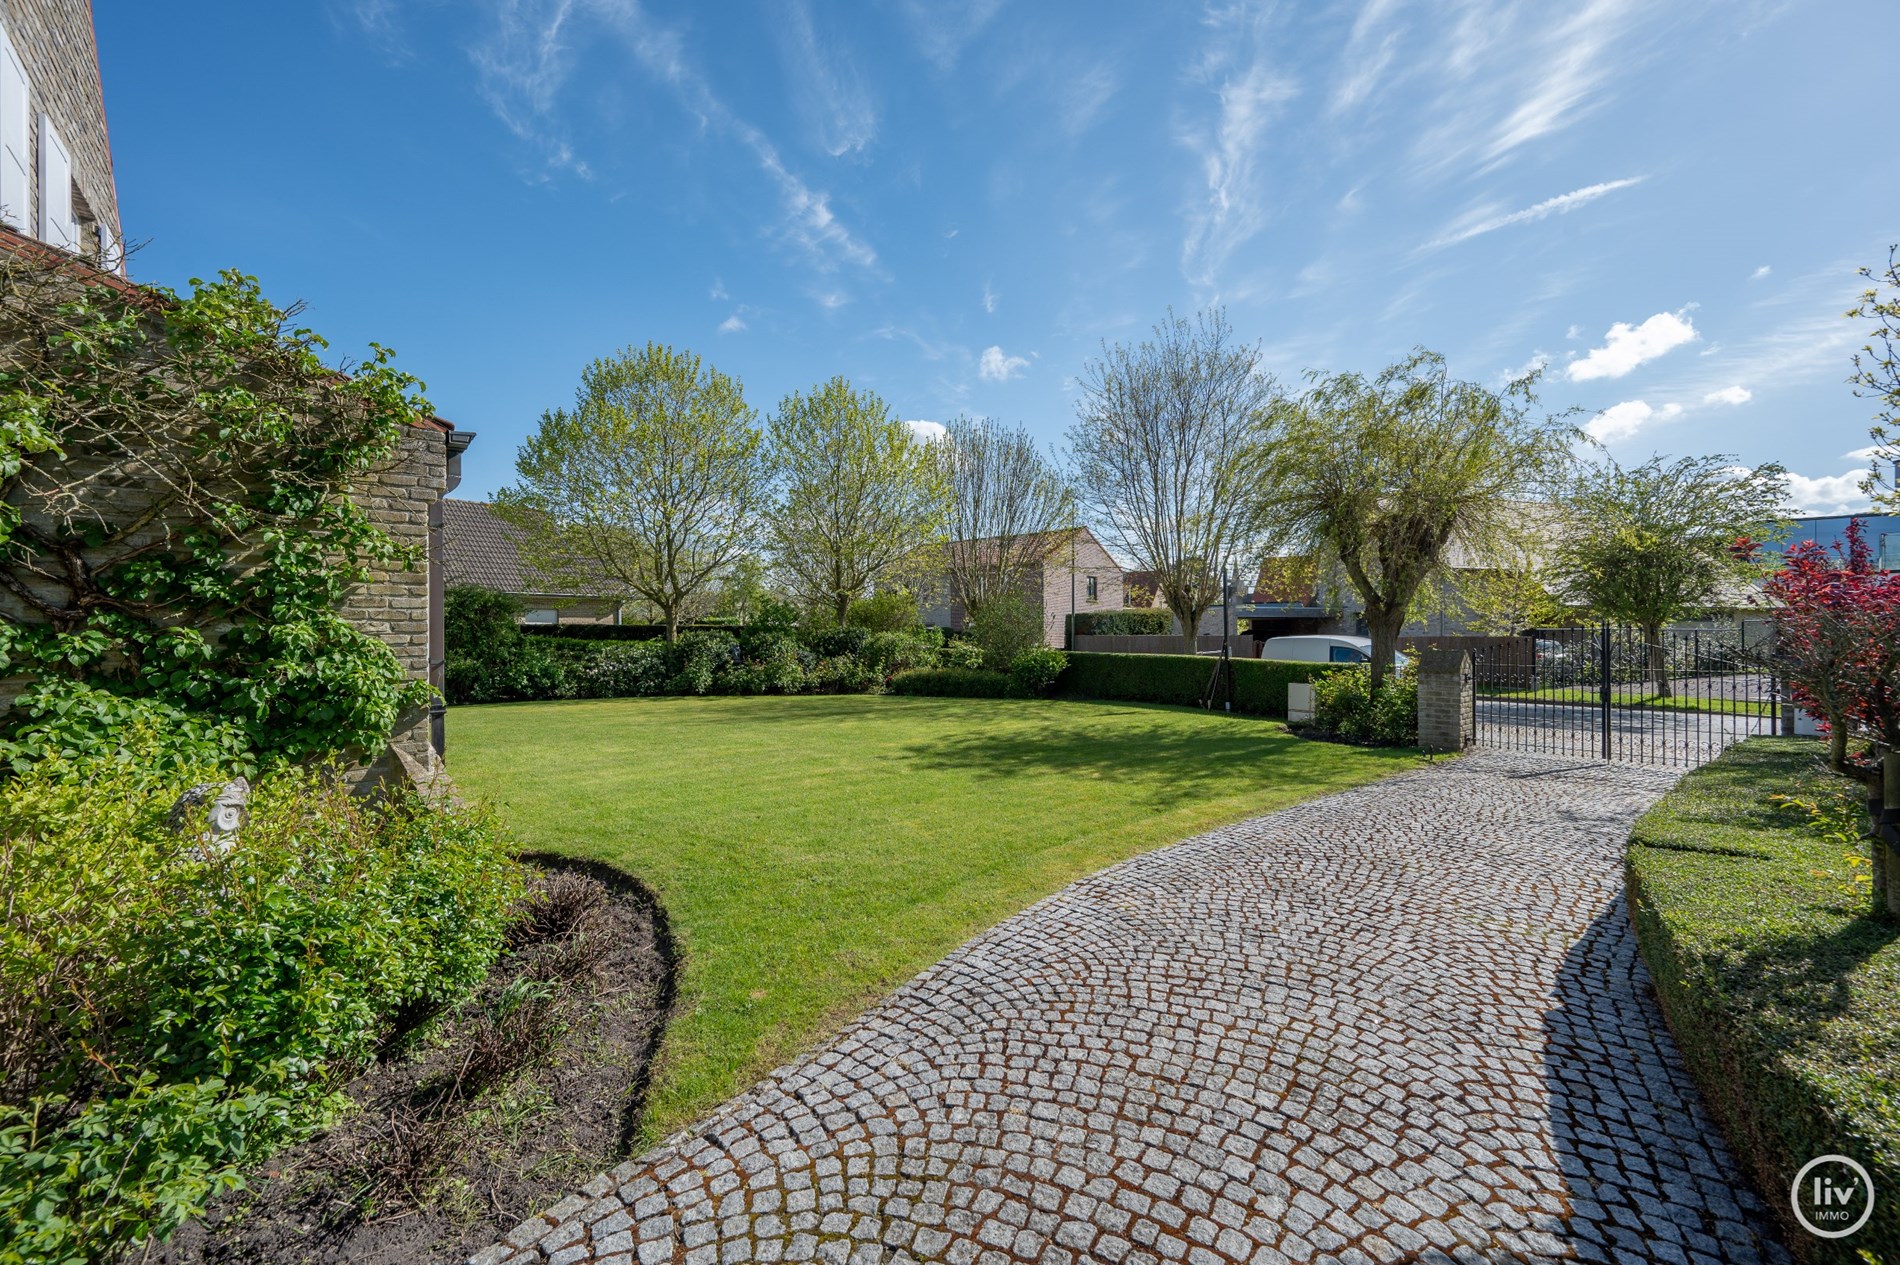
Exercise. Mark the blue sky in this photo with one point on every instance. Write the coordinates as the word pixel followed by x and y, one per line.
pixel 954 202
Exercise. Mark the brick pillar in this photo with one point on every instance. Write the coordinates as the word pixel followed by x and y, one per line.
pixel 1444 700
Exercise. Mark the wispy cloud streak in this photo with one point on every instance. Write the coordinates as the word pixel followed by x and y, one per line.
pixel 1562 204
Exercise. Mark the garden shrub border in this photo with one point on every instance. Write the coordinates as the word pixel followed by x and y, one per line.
pixel 1691 928
pixel 1259 684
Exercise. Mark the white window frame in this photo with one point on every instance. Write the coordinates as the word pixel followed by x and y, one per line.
pixel 543 615
pixel 58 226
pixel 16 145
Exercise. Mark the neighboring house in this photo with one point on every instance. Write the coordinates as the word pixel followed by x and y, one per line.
pixel 1076 575
pixel 57 190
pixel 56 181
pixel 1882 533
pixel 482 549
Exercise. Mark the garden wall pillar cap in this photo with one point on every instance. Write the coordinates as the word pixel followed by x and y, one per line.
pixel 1450 662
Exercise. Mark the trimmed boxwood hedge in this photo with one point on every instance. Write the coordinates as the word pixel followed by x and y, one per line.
pixel 1781 986
pixel 1134 621
pixel 952 683
pixel 614 632
pixel 1259 684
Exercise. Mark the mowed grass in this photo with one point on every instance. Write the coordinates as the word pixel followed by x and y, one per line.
pixel 815 852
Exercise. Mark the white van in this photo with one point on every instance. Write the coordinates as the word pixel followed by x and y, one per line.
pixel 1324 649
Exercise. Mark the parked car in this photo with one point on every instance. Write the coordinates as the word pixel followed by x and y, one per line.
pixel 1324 648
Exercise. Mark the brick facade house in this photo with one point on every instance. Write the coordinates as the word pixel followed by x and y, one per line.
pixel 479 548
pixel 1077 575
pixel 57 191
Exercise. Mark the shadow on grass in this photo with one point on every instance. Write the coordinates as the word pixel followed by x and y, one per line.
pixel 1173 764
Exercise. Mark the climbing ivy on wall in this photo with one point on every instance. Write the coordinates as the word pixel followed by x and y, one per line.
pixel 177 530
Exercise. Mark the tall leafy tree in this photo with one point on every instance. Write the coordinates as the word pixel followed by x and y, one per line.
pixel 859 494
pixel 1651 544
pixel 1877 376
pixel 1380 476
pixel 654 480
pixel 1009 508
pixel 1168 455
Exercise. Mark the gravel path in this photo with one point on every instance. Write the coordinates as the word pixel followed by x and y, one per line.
pixel 1404 1023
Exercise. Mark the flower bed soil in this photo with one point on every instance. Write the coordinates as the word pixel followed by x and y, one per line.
pixel 474 1121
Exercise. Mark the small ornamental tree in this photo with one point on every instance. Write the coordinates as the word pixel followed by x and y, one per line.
pixel 175 519
pixel 1877 377
pixel 1839 643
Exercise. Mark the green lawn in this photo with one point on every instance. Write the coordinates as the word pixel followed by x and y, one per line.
pixel 814 852
pixel 1624 696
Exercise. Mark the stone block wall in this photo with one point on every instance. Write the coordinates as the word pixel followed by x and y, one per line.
pixel 58 51
pixel 395 606
pixel 1444 700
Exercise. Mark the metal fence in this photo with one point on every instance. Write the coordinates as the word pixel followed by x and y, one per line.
pixel 1607 693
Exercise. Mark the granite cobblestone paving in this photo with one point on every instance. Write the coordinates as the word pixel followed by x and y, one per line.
pixel 1404 1023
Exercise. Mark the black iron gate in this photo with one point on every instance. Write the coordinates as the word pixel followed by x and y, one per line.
pixel 1607 693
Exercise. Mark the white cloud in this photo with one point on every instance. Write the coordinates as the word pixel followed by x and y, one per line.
pixel 1760 272
pixel 718 290
pixel 1561 87
pixel 1620 421
pixel 525 64
pixel 1537 362
pixel 1863 454
pixel 1626 346
pixel 1474 224
pixel 945 27
pixel 1574 333
pixel 1369 52
pixel 1827 494
pixel 831 300
pixel 1231 208
pixel 732 324
pixel 997 367
pixel 927 431
pixel 1083 97
pixel 1729 395
pixel 989 298
pixel 827 87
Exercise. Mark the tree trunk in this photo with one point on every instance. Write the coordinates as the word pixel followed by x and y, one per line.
pixel 1190 627
pixel 1658 660
pixel 671 616
pixel 843 607
pixel 1385 643
pixel 1836 744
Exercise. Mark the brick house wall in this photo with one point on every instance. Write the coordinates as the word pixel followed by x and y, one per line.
pixel 1049 588
pixel 56 48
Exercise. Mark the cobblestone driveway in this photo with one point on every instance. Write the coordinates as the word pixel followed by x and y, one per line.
pixel 1405 1023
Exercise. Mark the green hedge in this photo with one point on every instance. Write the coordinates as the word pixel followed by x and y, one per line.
pixel 614 632
pixel 953 683
pixel 1133 621
pixel 1259 684
pixel 1782 989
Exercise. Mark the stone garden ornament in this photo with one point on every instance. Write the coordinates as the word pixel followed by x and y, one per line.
pixel 225 814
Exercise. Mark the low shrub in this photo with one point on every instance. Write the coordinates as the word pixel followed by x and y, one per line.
pixel 961 653
pixel 830 643
pixel 1006 626
pixel 1034 672
pixel 1748 886
pixel 952 683
pixel 1345 707
pixel 888 653
pixel 58 718
pixel 1130 622
pixel 167 1014
pixel 1259 684
pixel 894 610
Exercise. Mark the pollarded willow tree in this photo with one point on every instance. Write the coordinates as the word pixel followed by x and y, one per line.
pixel 1008 511
pixel 1651 544
pixel 1380 476
pixel 1168 456
pixel 176 521
pixel 654 481
pixel 859 495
